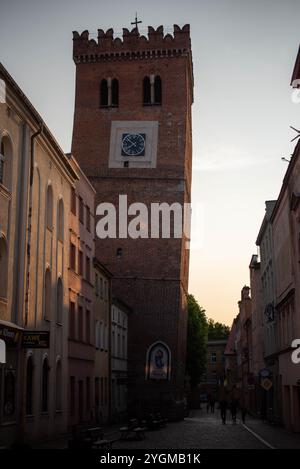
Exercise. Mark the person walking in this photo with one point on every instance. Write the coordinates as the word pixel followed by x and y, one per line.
pixel 233 408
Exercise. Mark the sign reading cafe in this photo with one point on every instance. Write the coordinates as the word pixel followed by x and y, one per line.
pixel 158 362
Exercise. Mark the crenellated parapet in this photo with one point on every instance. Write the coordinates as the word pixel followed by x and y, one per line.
pixel 133 45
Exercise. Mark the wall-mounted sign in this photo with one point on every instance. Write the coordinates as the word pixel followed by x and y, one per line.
pixel 265 373
pixel 266 384
pixel 158 362
pixel 2 351
pixel 10 335
pixel 35 339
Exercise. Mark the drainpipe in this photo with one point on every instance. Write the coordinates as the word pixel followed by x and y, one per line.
pixel 22 375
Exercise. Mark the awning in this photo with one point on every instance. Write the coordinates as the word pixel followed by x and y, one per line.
pixel 10 333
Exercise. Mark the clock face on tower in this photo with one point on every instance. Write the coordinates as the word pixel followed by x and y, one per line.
pixel 133 144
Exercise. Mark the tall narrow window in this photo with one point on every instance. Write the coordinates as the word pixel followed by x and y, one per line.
pixel 2 160
pixel 45 385
pixel 49 208
pixel 81 210
pixel 87 327
pixel 87 268
pixel 47 311
pixel 58 387
pixel 72 395
pixel 80 262
pixel 157 90
pixel 73 201
pixel 59 301
pixel 88 394
pixel 3 268
pixel 80 323
pixel 72 320
pixel 29 387
pixel 72 256
pixel 60 229
pixel 146 91
pixel 88 218
pixel 115 92
pixel 104 93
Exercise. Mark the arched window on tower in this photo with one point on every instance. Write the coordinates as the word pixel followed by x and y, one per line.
pixel 45 385
pixel 115 92
pixel 59 301
pixel 60 228
pixel 29 386
pixel 6 162
pixel 47 311
pixel 104 93
pixel 157 90
pixel 58 386
pixel 3 268
pixel 49 208
pixel 146 91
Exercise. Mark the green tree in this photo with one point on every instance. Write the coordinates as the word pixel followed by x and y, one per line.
pixel 217 330
pixel 196 341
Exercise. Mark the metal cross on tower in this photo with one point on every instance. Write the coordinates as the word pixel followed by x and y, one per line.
pixel 136 22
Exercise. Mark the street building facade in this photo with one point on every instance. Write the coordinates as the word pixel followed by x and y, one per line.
pixel 103 326
pixel 81 336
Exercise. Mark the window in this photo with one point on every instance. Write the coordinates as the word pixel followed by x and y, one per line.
pixel 146 91
pixel 58 387
pixel 157 90
pixel 88 218
pixel 97 284
pixel 109 92
pixel 104 93
pixel 80 262
pixel 88 394
pixel 97 334
pixel 3 268
pixel 59 301
pixel 115 92
pixel 152 90
pixel 45 384
pixel 87 327
pixel 2 160
pixel 47 310
pixel 60 229
pixel 73 201
pixel 80 323
pixel 72 395
pixel 81 210
pixel 72 320
pixel 105 289
pixel 213 357
pixel 102 391
pixel 87 268
pixel 72 256
pixel 101 288
pixel 29 386
pixel 49 208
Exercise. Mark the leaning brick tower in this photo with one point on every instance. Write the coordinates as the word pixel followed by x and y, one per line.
pixel 132 136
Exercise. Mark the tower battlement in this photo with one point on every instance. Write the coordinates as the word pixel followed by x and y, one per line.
pixel 133 45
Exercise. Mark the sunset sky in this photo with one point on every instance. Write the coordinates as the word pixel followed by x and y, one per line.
pixel 243 54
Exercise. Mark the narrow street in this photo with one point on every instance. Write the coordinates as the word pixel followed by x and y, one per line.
pixel 205 431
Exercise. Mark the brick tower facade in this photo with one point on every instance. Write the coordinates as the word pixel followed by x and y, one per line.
pixel 132 136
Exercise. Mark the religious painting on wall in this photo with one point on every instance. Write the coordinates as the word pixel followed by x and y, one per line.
pixel 158 362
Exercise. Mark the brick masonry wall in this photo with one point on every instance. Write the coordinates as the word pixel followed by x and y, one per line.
pixel 152 274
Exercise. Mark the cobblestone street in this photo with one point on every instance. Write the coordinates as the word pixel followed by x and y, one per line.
pixel 205 431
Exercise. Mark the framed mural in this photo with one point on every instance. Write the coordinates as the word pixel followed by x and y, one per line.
pixel 158 362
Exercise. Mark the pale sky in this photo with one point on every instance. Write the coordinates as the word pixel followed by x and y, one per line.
pixel 243 52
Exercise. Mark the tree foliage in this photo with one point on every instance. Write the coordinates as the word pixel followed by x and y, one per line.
pixel 196 340
pixel 217 331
